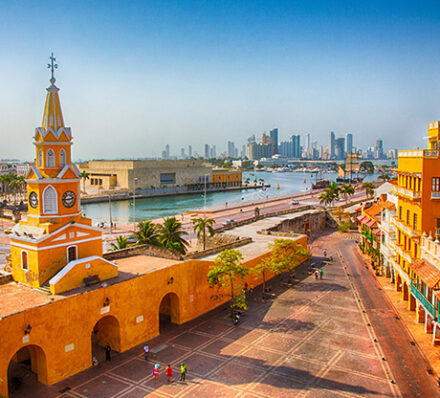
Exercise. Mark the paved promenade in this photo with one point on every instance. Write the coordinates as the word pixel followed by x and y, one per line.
pixel 319 339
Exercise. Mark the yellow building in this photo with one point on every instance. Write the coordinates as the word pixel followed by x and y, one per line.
pixel 418 212
pixel 226 177
pixel 70 301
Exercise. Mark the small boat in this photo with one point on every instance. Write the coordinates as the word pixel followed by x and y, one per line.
pixel 320 184
pixel 278 186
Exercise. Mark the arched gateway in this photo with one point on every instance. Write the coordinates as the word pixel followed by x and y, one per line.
pixel 169 311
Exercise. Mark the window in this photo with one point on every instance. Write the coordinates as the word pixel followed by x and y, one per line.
pixel 24 260
pixel 435 184
pixel 407 217
pixel 40 158
pixel 50 200
pixel 50 161
pixel 71 254
pixel 414 221
pixel 62 157
pixel 167 178
pixel 400 212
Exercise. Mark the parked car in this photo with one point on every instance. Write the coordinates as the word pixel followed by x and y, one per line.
pixel 294 202
pixel 229 221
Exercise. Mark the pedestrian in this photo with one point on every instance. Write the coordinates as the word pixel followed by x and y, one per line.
pixel 182 372
pixel 316 274
pixel 108 350
pixel 325 253
pixel 146 352
pixel 321 273
pixel 169 373
pixel 156 372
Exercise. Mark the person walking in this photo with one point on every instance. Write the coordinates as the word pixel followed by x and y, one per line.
pixel 156 372
pixel 146 351
pixel 321 273
pixel 169 373
pixel 108 351
pixel 325 253
pixel 316 274
pixel 182 372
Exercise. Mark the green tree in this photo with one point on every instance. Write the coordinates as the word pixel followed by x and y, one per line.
pixel 227 275
pixel 171 235
pixel 203 225
pixel 263 268
pixel 121 243
pixel 17 184
pixel 6 180
pixel 347 190
pixel 330 194
pixel 369 188
pixel 147 234
pixel 286 255
pixel 367 167
pixel 84 176
pixel 384 177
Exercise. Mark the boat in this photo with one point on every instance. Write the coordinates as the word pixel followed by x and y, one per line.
pixel 343 179
pixel 320 184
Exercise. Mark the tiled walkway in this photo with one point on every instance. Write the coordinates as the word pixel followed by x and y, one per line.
pixel 312 340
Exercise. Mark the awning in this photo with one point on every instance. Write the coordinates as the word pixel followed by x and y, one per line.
pixel 377 232
pixel 371 224
pixel 427 272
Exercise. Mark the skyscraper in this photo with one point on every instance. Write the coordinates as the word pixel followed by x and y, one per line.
pixel 331 145
pixel 307 141
pixel 167 150
pixel 274 137
pixel 206 151
pixel 182 153
pixel 349 142
pixel 378 149
pixel 231 149
pixel 340 148
pixel 190 151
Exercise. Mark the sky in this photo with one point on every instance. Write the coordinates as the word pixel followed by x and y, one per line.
pixel 137 75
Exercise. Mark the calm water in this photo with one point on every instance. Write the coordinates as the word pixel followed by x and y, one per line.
pixel 151 208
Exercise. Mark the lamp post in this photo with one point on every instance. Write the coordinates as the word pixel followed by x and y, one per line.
pixel 110 213
pixel 134 202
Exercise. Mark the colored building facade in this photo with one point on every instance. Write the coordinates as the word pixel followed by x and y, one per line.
pixel 226 177
pixel 417 226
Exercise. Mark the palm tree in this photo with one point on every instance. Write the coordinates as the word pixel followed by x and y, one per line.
pixel 121 243
pixel 369 188
pixel 347 190
pixel 147 234
pixel 5 180
pixel 330 194
pixel 17 184
pixel 171 235
pixel 384 177
pixel 201 225
pixel 84 176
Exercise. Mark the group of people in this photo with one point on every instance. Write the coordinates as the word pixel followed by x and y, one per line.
pixel 168 369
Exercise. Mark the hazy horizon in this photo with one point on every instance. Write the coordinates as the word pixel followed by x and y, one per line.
pixel 135 76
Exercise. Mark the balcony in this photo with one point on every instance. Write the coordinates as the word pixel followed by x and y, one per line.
pixel 419 153
pixel 423 300
pixel 405 228
pixel 399 249
pixel 407 193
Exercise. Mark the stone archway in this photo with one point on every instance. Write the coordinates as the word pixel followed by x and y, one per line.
pixel 26 368
pixel 106 331
pixel 169 311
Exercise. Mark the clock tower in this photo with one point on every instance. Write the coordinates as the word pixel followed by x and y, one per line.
pixel 55 232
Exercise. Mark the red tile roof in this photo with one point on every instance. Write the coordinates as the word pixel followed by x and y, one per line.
pixel 427 272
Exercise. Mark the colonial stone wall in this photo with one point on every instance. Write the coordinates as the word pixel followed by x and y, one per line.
pixel 312 222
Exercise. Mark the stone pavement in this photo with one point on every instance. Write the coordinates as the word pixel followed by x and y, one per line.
pixel 312 340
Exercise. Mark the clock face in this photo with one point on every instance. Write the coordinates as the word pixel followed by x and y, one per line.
pixel 33 200
pixel 69 199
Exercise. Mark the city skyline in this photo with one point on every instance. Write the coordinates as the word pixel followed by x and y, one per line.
pixel 150 74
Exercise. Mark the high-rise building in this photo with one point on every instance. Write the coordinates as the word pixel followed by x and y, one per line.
pixel 307 141
pixel 274 137
pixel 378 149
pixel 167 150
pixel 206 151
pixel 213 152
pixel 182 153
pixel 190 151
pixel 331 145
pixel 349 143
pixel 231 149
pixel 340 148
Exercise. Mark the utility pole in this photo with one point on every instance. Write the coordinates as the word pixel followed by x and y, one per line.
pixel 134 201
pixel 110 213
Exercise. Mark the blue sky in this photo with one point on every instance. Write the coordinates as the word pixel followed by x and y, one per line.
pixel 135 76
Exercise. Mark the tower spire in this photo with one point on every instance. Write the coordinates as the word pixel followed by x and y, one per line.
pixel 52 66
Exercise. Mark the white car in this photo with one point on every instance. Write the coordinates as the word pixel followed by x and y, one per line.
pixel 294 202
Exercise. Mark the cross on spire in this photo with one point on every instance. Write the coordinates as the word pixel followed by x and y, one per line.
pixel 52 66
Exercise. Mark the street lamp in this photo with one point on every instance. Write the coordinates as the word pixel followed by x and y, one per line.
pixel 110 212
pixel 134 202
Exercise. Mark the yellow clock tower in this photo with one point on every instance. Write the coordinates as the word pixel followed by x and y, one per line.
pixel 56 243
